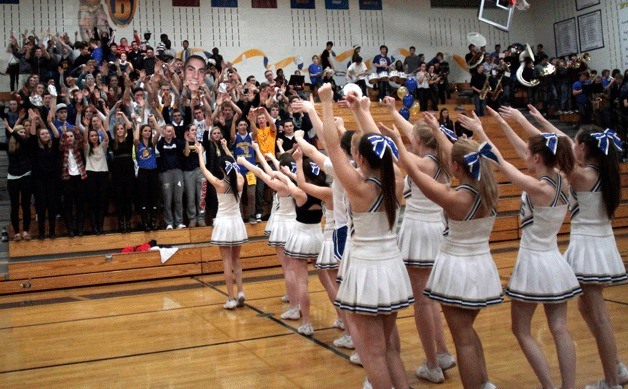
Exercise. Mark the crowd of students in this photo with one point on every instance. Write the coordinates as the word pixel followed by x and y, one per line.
pixel 153 129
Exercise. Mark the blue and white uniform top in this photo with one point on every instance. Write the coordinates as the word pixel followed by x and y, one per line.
pixel 539 229
pixel 541 274
pixel 229 229
pixel 417 204
pixel 375 281
pixel 464 274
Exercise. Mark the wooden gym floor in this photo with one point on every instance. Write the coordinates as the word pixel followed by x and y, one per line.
pixel 175 333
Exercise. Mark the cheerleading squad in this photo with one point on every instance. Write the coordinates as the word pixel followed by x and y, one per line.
pixel 441 252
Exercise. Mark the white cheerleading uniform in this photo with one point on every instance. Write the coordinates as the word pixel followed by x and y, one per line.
pixel 376 282
pixel 340 236
pixel 541 274
pixel 283 222
pixel 229 229
pixel 421 231
pixel 464 274
pixel 592 251
pixel 326 259
pixel 306 237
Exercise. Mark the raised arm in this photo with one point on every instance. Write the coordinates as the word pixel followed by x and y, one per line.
pixel 216 183
pixel 259 173
pixel 404 125
pixel 360 109
pixel 443 195
pixel 443 141
pixel 516 115
pixel 347 174
pixel 519 144
pixel 308 149
pixel 323 193
pixel 260 158
pixel 544 123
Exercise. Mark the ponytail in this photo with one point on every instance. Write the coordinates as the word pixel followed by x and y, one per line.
pixel 422 132
pixel 486 185
pixel 387 173
pixel 608 165
pixel 232 176
pixel 563 158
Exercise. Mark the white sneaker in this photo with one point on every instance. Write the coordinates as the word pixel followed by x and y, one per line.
pixel 339 324
pixel 355 359
pixel 291 314
pixel 367 384
pixel 168 227
pixel 434 375
pixel 489 385
pixel 601 384
pixel 446 361
pixel 622 374
pixel 180 226
pixel 284 299
pixel 306 329
pixel 230 304
pixel 344 341
pixel 240 300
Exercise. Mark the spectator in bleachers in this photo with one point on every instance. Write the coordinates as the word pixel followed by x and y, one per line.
pixel 95 152
pixel 19 182
pixel 121 167
pixel 242 148
pixel 193 180
pixel 147 174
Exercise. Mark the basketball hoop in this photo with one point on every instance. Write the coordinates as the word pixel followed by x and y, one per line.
pixel 498 13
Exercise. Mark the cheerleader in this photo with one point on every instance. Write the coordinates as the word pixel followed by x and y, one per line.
pixel 306 238
pixel 541 274
pixel 376 284
pixel 419 240
pixel 229 232
pixel 283 222
pixel 334 232
pixel 592 252
pixel 464 278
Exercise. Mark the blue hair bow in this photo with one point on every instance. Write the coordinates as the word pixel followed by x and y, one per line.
pixel 381 143
pixel 603 139
pixel 473 159
pixel 315 169
pixel 449 133
pixel 231 165
pixel 551 141
pixel 293 167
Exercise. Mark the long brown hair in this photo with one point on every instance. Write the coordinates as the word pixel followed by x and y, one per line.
pixel 487 186
pixel 563 159
pixel 608 165
pixel 13 144
pixel 387 174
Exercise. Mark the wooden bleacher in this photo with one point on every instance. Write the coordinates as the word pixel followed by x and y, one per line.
pixel 92 260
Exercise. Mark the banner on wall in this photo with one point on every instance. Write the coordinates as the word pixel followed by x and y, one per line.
pixel 336 4
pixel 623 27
pixel 225 3
pixel 371 5
pixel 186 3
pixel 121 12
pixel 303 4
pixel 264 3
pixel 9 1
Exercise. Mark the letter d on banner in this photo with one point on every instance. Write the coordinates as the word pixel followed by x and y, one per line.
pixel 121 12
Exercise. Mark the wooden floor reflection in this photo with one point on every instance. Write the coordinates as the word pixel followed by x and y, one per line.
pixel 175 333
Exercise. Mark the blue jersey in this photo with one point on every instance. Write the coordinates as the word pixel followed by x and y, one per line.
pixel 145 156
pixel 242 147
